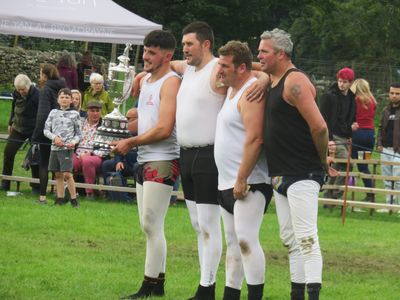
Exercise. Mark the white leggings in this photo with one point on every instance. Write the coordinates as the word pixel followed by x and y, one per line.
pixel 244 254
pixel 297 216
pixel 206 221
pixel 153 202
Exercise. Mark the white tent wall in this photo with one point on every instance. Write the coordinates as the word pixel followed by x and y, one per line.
pixel 79 20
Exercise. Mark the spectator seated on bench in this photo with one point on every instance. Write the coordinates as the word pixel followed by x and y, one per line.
pixel 86 160
pixel 116 170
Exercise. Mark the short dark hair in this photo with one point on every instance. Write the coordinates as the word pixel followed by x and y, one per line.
pixel 50 71
pixel 65 91
pixel 395 85
pixel 240 51
pixel 202 30
pixel 160 38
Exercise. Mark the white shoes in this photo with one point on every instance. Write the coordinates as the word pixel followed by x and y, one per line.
pixel 357 209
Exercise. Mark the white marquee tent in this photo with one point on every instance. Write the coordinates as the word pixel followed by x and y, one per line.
pixel 79 20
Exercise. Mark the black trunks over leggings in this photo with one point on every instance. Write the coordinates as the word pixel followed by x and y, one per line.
pixel 199 174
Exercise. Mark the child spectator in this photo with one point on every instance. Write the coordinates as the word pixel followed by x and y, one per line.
pixel 62 127
pixel 77 102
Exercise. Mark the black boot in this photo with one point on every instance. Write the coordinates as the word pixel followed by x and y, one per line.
pixel 313 291
pixel 231 293
pixel 5 185
pixel 255 291
pixel 159 288
pixel 369 198
pixel 297 292
pixel 74 203
pixel 204 293
pixel 60 201
pixel 150 287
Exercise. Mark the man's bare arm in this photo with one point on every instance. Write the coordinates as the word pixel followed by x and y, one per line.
pixel 257 90
pixel 165 124
pixel 252 114
pixel 300 93
pixel 179 66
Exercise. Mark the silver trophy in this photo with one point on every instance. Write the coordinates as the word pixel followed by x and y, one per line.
pixel 114 125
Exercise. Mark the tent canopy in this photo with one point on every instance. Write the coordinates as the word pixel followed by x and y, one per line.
pixel 79 20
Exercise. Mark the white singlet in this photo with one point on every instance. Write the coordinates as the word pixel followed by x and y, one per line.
pixel 197 107
pixel 229 142
pixel 148 115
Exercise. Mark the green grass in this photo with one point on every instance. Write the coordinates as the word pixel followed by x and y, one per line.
pixel 98 250
pixel 5 109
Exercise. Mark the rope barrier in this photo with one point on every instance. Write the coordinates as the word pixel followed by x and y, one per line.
pixel 35 143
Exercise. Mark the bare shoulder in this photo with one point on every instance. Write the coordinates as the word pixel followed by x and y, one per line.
pixel 173 80
pixel 171 85
pixel 298 87
pixel 245 104
pixel 215 83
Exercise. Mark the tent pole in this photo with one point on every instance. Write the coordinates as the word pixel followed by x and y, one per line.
pixel 16 41
pixel 113 53
pixel 137 58
pixel 85 46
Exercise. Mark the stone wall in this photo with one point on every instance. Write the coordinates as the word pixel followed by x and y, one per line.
pixel 17 60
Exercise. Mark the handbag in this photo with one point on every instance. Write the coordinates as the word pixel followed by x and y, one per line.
pixel 32 157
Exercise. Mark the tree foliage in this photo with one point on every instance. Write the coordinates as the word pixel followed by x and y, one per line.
pixel 337 30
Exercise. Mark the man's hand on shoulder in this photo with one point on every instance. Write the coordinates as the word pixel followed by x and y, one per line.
pixel 257 90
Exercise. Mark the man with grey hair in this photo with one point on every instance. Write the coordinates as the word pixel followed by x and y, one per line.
pixel 20 125
pixel 296 143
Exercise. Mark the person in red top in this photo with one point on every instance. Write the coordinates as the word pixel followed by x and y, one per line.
pixel 364 136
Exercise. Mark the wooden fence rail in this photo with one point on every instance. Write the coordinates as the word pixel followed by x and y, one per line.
pixel 180 195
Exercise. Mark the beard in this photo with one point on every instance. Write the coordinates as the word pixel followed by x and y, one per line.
pixel 153 68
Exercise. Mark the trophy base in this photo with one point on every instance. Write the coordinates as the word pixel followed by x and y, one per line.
pixel 114 127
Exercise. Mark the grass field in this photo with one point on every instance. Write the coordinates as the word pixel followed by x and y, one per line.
pixel 97 252
pixel 5 108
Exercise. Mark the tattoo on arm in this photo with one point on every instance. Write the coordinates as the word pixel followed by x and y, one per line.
pixel 295 90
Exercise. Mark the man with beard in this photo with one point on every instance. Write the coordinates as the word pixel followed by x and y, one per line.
pixel 199 100
pixel 158 154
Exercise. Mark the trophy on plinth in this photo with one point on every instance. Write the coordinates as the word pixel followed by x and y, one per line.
pixel 114 125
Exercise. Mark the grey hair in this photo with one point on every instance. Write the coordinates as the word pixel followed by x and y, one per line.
pixel 22 81
pixel 281 40
pixel 96 77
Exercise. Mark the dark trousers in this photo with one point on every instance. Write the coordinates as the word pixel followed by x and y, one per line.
pixel 16 140
pixel 363 140
pixel 44 168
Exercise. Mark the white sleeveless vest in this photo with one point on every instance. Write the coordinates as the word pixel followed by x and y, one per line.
pixel 229 142
pixel 197 107
pixel 148 115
